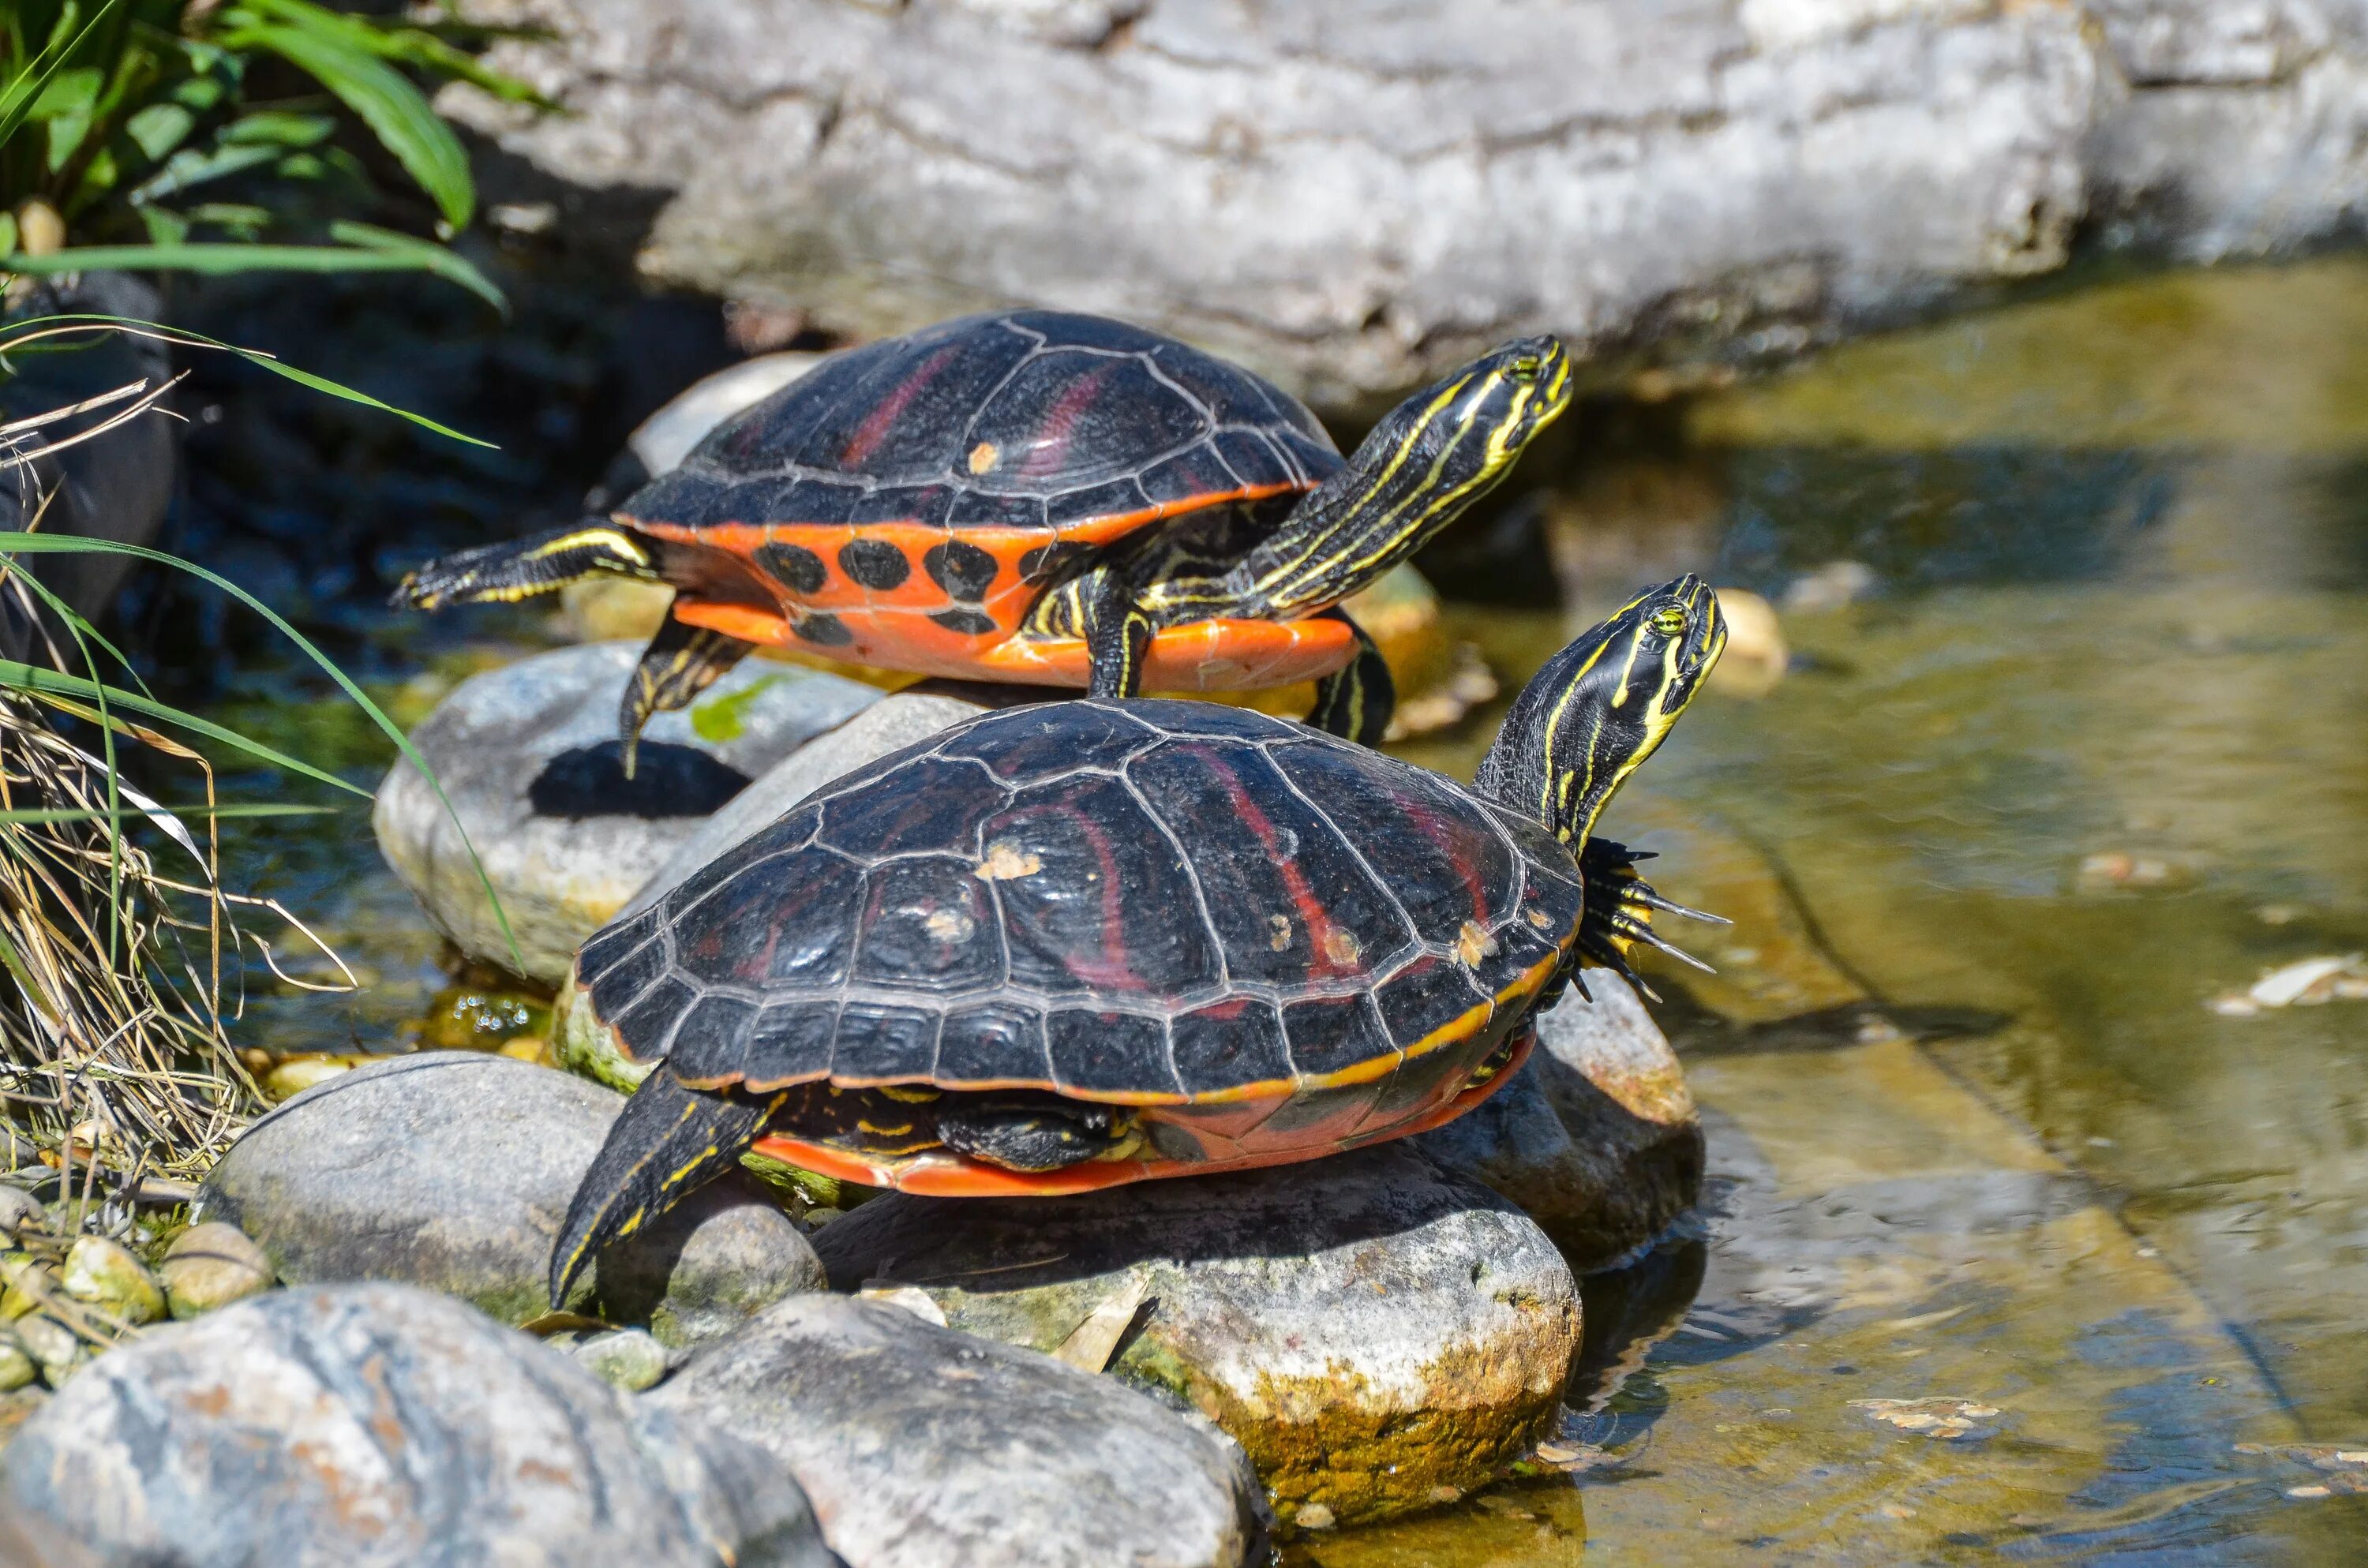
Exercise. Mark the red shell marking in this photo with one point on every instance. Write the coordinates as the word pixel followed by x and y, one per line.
pixel 1269 941
pixel 905 503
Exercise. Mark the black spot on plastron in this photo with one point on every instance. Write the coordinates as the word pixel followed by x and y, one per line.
pixel 1049 560
pixel 668 780
pixel 873 564
pixel 962 570
pixel 796 567
pixel 968 622
pixel 824 631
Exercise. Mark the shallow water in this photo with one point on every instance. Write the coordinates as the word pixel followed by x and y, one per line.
pixel 1976 1134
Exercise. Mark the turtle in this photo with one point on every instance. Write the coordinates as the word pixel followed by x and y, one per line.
pixel 1040 497
pixel 1064 945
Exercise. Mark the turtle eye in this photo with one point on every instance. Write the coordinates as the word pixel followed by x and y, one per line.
pixel 1524 368
pixel 1669 622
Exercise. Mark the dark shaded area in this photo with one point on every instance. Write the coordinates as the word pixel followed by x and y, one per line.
pixel 668 781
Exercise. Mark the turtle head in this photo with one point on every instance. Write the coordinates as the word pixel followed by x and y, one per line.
pixel 1600 707
pixel 1429 457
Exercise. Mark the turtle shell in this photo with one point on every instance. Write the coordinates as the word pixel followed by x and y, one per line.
pixel 1276 943
pixel 905 502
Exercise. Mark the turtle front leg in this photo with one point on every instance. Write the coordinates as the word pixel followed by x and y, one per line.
pixel 681 662
pixel 518 569
pixel 1619 913
pixel 1355 701
pixel 1117 631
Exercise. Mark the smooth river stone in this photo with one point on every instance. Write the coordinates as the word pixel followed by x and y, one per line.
pixel 1596 1137
pixel 369 1425
pixel 923 1448
pixel 1370 1328
pixel 527 755
pixel 453 1169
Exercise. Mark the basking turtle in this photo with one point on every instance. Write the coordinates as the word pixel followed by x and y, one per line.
pixel 1043 497
pixel 1068 945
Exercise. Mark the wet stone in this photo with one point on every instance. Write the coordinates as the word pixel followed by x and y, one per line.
pixel 211 1266
pixel 1370 1327
pixel 376 1425
pixel 923 1448
pixel 528 755
pixel 1597 1137
pixel 15 1208
pixel 17 1365
pixel 453 1169
pixel 626 1358
pixel 100 1273
pixel 55 1348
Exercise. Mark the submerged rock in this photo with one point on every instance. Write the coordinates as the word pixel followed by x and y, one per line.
pixel 1370 1327
pixel 626 1358
pixel 1597 1137
pixel 211 1266
pixel 453 1169
pixel 376 1425
pixel 527 757
pixel 922 1448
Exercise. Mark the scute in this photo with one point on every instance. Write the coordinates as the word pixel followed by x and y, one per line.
pixel 1053 738
pixel 928 925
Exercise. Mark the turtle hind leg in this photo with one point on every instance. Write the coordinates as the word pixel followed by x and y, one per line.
pixel 1356 701
pixel 1117 631
pixel 1618 912
pixel 1049 1136
pixel 668 1141
pixel 518 569
pixel 681 662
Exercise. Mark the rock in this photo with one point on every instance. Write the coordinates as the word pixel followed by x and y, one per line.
pixel 375 1424
pixel 55 1348
pixel 15 1208
pixel 17 1365
pixel 452 1170
pixel 1740 174
pixel 625 1358
pixel 1369 1327
pixel 100 1273
pixel 1597 1137
pixel 923 1448
pixel 211 1266
pixel 1755 657
pixel 528 755
pixel 18 1408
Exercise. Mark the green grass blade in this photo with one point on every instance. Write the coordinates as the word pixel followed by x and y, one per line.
pixel 446 264
pixel 183 336
pixel 37 544
pixel 219 258
pixel 43 682
pixel 397 113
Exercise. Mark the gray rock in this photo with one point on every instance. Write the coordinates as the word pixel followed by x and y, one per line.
pixel 15 1208
pixel 922 1448
pixel 1369 1327
pixel 453 1169
pixel 376 1425
pixel 1741 177
pixel 526 753
pixel 105 1274
pixel 1597 1136
pixel 211 1266
pixel 625 1358
pixel 890 724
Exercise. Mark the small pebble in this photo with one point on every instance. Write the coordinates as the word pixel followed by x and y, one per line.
pixel 1313 1517
pixel 211 1266
pixel 53 1344
pixel 15 1208
pixel 102 1274
pixel 17 1367
pixel 628 1358
pixel 21 1285
pixel 912 1297
pixel 297 1073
